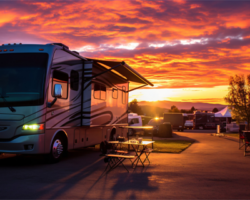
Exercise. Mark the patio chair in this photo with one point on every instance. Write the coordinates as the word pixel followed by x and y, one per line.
pixel 247 142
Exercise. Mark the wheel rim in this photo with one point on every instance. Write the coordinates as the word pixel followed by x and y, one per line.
pixel 57 148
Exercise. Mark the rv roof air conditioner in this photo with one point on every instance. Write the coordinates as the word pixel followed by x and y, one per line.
pixel 59 44
pixel 76 52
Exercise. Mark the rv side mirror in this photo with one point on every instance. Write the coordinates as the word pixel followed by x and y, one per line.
pixel 58 90
pixel 57 94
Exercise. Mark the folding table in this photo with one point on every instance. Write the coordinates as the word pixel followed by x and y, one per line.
pixel 138 128
pixel 138 152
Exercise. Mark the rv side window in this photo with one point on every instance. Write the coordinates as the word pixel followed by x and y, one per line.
pixel 99 91
pixel 115 93
pixel 103 92
pixel 62 79
pixel 74 80
pixel 123 94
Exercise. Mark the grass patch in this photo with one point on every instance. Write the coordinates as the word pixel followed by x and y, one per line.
pixel 164 146
pixel 236 135
pixel 171 146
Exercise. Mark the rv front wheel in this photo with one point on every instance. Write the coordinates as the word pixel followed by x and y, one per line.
pixel 57 149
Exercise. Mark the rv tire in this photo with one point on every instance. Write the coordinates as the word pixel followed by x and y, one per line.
pixel 58 149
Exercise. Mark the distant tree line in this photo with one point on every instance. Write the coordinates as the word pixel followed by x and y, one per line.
pixel 157 111
pixel 152 111
pixel 174 109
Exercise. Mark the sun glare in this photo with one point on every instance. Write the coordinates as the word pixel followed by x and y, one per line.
pixel 151 94
pixel 208 95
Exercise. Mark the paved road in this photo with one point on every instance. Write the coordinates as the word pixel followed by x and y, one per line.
pixel 212 168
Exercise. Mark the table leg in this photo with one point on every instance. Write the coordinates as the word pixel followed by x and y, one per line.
pixel 138 156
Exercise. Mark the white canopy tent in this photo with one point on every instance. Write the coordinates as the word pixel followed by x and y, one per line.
pixel 226 112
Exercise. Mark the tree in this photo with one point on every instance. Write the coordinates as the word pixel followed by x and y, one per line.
pixel 135 108
pixel 184 111
pixel 192 109
pixel 238 98
pixel 215 110
pixel 174 109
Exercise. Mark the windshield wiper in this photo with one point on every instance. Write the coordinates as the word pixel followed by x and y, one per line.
pixel 10 107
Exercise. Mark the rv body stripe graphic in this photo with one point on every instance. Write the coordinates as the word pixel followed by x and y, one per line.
pixel 97 115
pixel 64 119
pixel 123 120
pixel 62 112
pixel 57 107
pixel 79 113
pixel 120 117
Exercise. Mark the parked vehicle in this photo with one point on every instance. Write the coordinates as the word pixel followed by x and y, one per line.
pixel 134 120
pixel 155 122
pixel 175 119
pixel 52 99
pixel 233 127
pixel 189 124
pixel 223 127
pixel 145 119
pixel 204 121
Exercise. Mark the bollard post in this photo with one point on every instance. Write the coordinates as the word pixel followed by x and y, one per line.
pixel 218 129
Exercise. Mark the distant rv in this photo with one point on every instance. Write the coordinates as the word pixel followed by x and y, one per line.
pixel 53 99
pixel 203 120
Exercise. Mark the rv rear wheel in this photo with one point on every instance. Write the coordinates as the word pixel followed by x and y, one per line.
pixel 57 149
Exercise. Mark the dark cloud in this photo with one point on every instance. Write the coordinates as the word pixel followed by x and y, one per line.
pixel 222 26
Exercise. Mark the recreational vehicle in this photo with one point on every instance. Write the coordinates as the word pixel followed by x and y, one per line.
pixel 52 99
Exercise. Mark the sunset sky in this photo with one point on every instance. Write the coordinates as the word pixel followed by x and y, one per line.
pixel 187 49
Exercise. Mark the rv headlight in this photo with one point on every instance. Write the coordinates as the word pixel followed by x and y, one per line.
pixel 33 127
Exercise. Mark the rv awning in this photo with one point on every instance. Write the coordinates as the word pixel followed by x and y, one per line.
pixel 125 71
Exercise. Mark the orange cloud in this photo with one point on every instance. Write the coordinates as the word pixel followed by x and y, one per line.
pixel 175 44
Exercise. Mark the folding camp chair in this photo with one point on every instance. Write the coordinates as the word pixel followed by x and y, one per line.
pixel 247 142
pixel 114 160
pixel 241 136
pixel 147 151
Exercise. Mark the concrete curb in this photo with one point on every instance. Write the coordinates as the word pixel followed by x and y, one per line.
pixel 222 135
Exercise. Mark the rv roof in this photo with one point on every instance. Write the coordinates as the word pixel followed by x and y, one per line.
pixel 125 71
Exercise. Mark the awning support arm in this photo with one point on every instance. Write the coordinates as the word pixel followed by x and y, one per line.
pixel 137 88
pixel 122 63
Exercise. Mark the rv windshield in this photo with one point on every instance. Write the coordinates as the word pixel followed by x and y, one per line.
pixel 22 79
